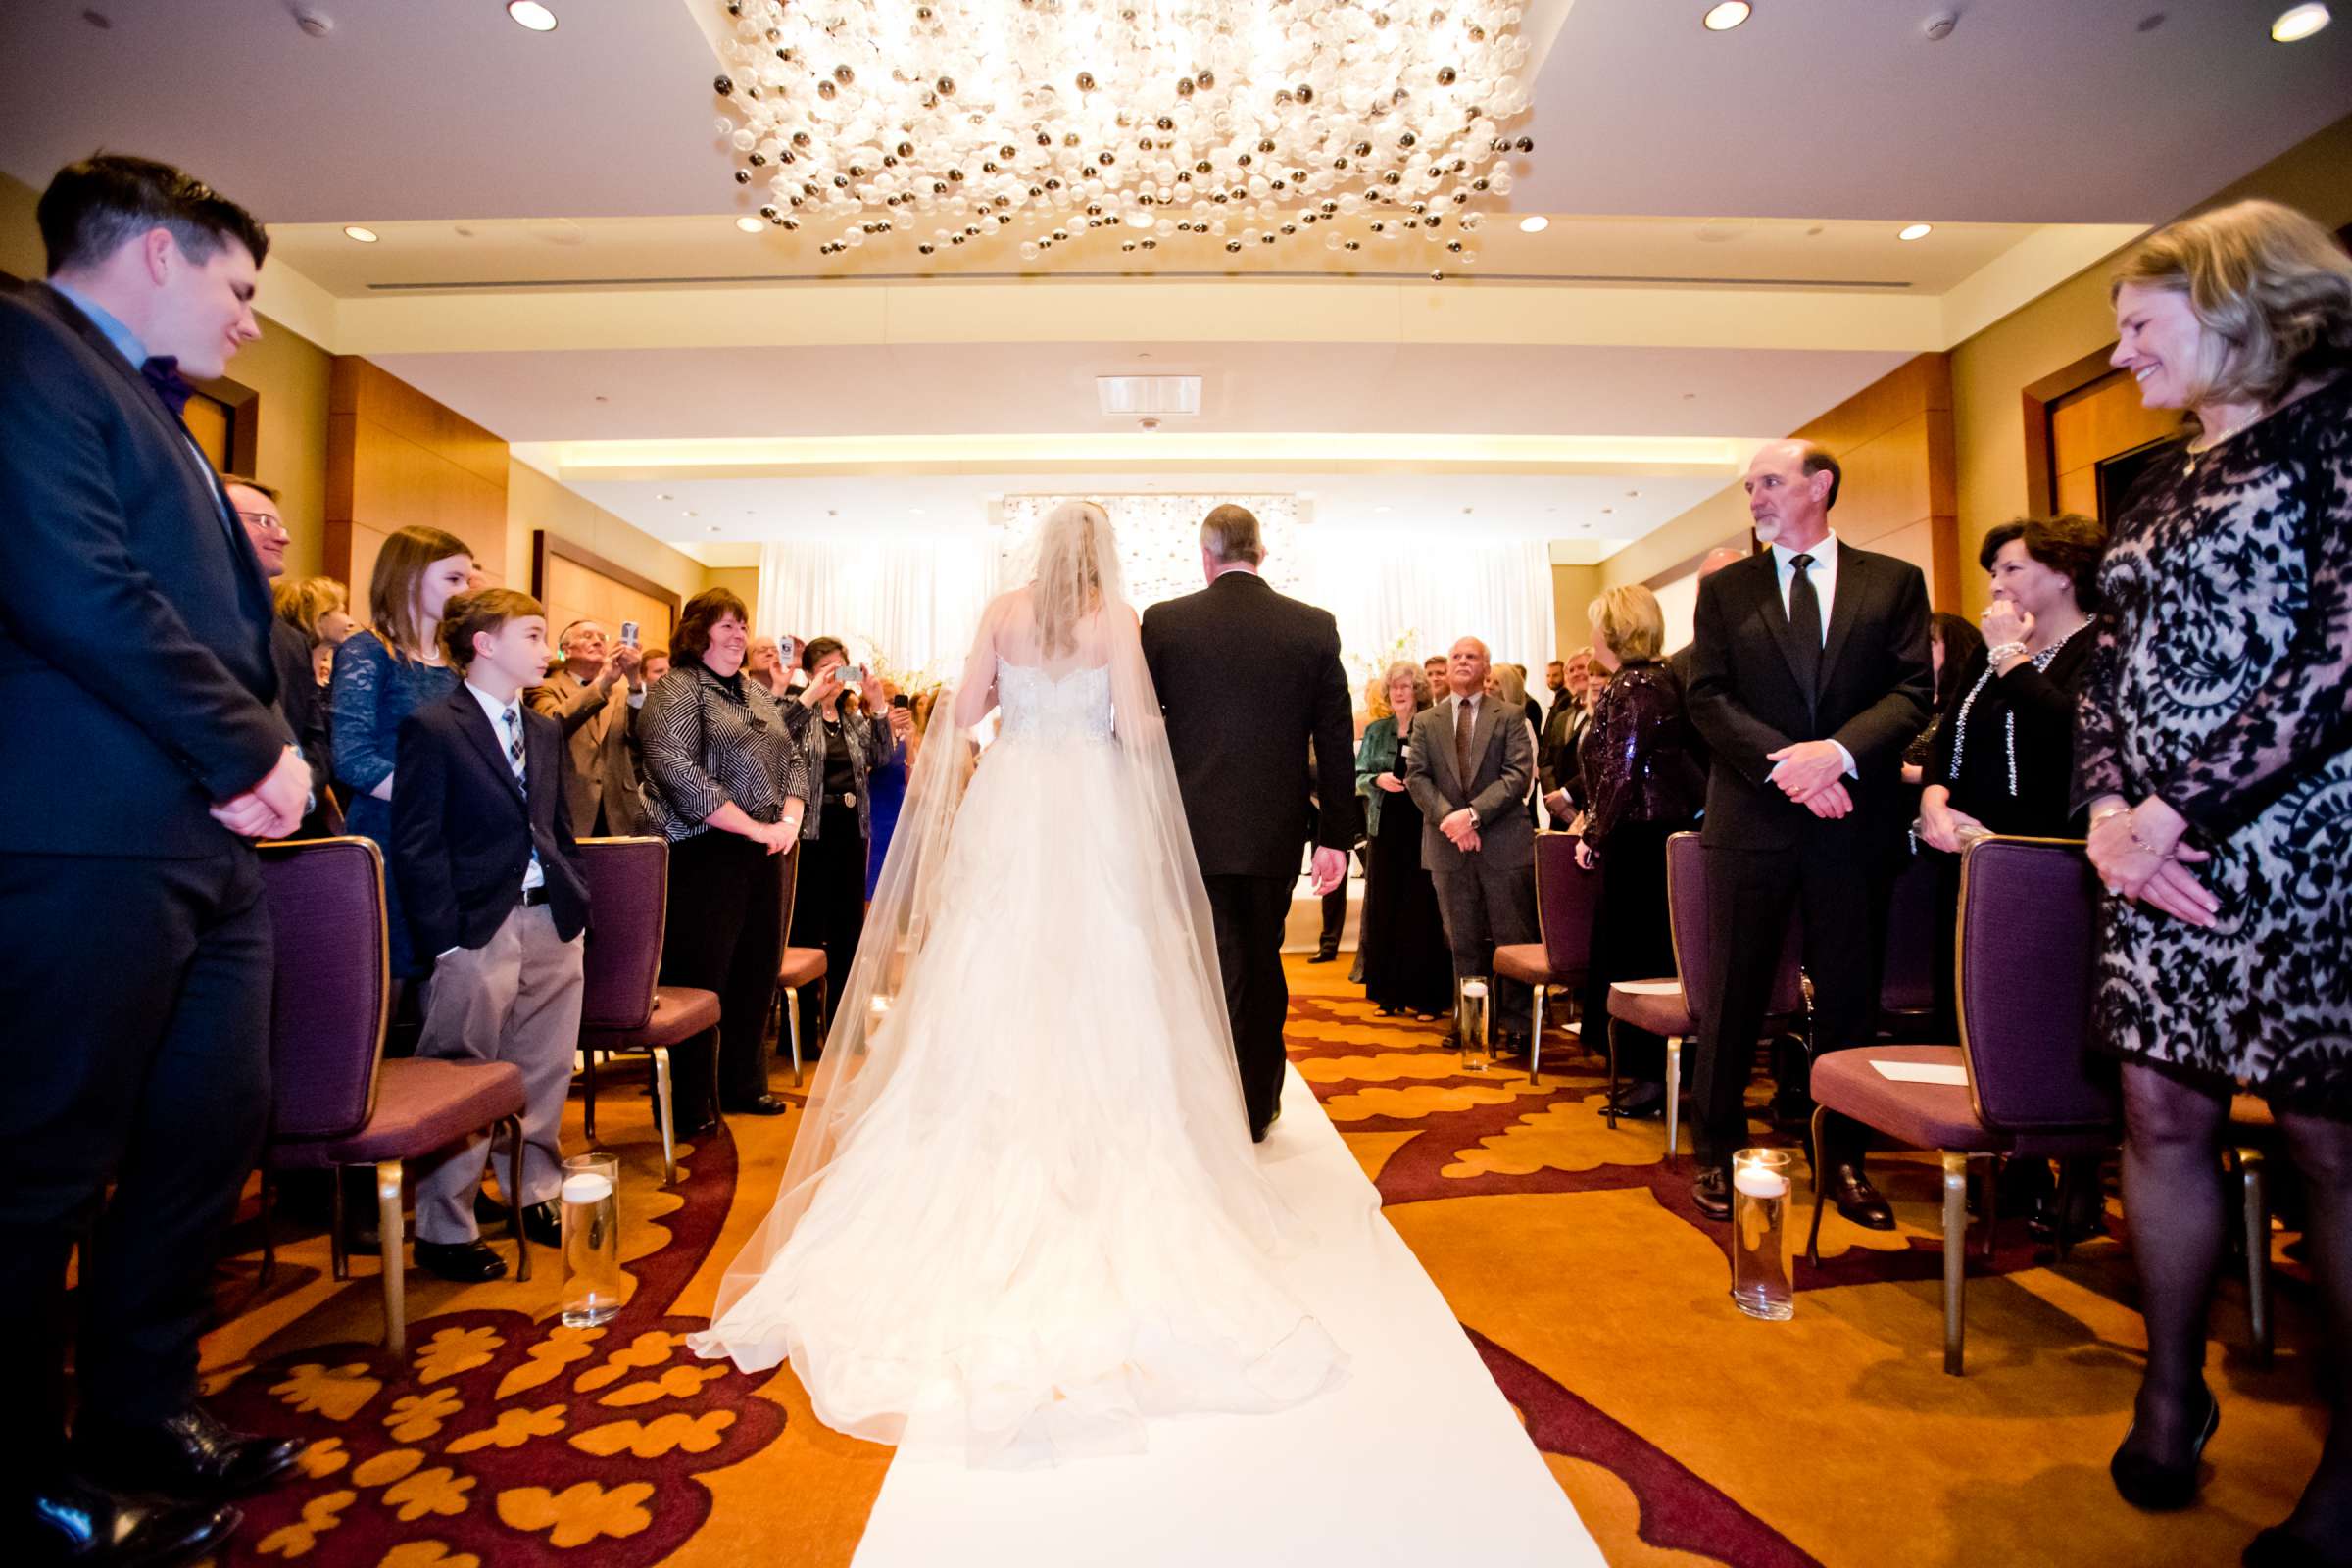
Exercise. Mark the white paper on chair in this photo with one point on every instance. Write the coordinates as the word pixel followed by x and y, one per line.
pixel 1650 988
pixel 1923 1072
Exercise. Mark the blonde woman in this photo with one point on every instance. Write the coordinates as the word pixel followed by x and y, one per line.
pixel 2212 752
pixel 1024 1216
pixel 382 674
pixel 1642 786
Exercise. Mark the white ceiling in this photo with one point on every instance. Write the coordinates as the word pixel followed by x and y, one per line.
pixel 1048 388
pixel 1591 514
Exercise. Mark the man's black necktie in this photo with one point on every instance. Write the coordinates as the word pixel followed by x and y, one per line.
pixel 162 374
pixel 1804 625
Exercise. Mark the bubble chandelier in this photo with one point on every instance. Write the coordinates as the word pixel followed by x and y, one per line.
pixel 1240 122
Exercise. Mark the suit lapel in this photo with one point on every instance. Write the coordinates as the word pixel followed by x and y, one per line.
pixel 1772 616
pixel 1482 736
pixel 479 730
pixel 175 435
pixel 1853 582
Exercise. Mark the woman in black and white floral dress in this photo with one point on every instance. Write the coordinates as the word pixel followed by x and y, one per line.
pixel 2214 754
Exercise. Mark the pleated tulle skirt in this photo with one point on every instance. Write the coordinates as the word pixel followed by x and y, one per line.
pixel 1048 1227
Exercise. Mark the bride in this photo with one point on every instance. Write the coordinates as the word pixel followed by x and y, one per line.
pixel 1023 1212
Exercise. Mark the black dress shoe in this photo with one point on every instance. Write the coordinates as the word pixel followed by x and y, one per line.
pixel 76 1521
pixel 2157 1488
pixel 541 1222
pixel 1856 1198
pixel 1711 1192
pixel 1325 956
pixel 461 1263
pixel 2276 1547
pixel 1641 1101
pixel 187 1455
pixel 759 1105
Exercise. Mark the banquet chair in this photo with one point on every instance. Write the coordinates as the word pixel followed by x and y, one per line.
pixel 797 967
pixel 1566 896
pixel 1668 1007
pixel 2244 1161
pixel 624 1008
pixel 335 1102
pixel 1907 988
pixel 2027 940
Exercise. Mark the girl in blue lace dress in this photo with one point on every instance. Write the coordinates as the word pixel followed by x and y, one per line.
pixel 383 674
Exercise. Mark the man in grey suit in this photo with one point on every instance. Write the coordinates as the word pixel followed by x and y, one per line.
pixel 1472 763
pixel 588 695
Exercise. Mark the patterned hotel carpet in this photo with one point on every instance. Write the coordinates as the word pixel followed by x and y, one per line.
pixel 1684 1433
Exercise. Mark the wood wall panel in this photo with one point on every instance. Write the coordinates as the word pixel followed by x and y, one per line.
pixel 1895 441
pixel 2095 423
pixel 397 459
pixel 573 592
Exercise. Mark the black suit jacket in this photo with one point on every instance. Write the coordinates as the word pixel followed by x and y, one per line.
pixel 135 667
pixel 463 833
pixel 1247 677
pixel 303 706
pixel 1872 695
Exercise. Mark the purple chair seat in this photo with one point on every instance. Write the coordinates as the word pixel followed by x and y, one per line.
pixel 1524 960
pixel 2028 945
pixel 802 967
pixel 1661 1010
pixel 1931 1115
pixel 680 1012
pixel 420 1107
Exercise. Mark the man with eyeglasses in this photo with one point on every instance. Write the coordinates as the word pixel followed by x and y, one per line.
pixel 299 696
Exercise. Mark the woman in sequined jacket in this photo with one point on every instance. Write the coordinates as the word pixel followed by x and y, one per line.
pixel 1642 786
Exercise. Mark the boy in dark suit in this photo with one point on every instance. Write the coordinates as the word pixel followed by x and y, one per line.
pixel 482 837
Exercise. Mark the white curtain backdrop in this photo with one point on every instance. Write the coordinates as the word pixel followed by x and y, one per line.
pixel 1407 596
pixel 905 606
pixel 908 605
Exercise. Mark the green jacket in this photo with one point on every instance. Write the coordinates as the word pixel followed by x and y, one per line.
pixel 1375 755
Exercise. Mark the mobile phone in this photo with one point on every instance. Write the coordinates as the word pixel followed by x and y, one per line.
pixel 901 701
pixel 628 634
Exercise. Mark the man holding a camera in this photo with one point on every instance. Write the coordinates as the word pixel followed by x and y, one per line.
pixel 588 695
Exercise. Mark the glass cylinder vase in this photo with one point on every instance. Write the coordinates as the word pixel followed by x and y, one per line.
pixel 1760 1285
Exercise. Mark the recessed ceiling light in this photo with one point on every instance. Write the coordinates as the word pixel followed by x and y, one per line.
pixel 715 528
pixel 1536 224
pixel 366 236
pixel 1608 511
pixel 1915 232
pixel 1634 495
pixel 1725 17
pixel 665 496
pixel 750 224
pixel 532 14
pixel 2298 22
pixel 690 514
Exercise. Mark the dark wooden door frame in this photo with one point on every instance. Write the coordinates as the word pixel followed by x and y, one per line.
pixel 545 544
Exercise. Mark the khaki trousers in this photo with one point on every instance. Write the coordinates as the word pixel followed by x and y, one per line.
pixel 516 1000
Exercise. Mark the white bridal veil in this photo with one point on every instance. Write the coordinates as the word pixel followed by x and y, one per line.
pixel 918 973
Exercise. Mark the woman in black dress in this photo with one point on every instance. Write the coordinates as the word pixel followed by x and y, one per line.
pixel 2003 760
pixel 1642 786
pixel 1407 966
pixel 2214 760
pixel 845 750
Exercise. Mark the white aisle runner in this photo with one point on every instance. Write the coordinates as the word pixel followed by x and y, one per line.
pixel 1416 1458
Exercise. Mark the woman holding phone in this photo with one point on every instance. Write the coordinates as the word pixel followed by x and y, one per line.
pixel 844 751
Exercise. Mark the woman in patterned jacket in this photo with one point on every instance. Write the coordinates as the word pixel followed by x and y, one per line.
pixel 2214 756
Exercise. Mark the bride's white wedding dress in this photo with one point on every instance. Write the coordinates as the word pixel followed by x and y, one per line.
pixel 1038 1219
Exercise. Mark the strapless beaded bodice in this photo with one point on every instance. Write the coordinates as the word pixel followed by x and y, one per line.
pixel 1032 705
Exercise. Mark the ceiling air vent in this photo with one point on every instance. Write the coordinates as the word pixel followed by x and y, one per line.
pixel 1156 397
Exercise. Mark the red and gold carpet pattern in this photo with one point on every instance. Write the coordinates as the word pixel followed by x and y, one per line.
pixel 1684 1433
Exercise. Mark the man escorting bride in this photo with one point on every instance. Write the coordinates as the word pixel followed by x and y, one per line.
pixel 1023 1212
